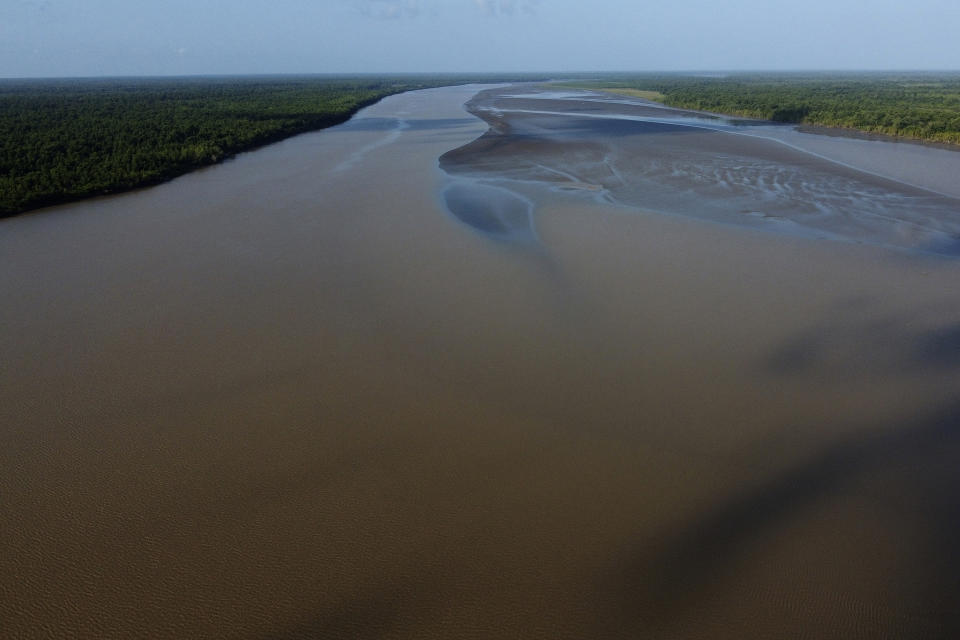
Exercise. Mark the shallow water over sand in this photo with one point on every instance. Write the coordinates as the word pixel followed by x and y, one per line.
pixel 293 396
pixel 750 173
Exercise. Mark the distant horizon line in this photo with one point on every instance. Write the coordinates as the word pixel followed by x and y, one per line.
pixel 481 73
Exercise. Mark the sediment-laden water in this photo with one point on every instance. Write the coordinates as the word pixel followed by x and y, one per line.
pixel 592 373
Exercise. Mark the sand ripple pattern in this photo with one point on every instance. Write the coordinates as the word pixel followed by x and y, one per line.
pixel 677 162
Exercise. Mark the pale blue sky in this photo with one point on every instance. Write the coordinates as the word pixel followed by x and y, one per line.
pixel 143 37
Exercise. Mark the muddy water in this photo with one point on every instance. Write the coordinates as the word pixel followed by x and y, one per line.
pixel 322 391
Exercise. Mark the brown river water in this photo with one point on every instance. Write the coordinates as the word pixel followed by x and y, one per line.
pixel 604 372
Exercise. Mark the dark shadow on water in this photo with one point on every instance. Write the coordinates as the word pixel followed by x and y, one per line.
pixel 920 457
pixel 940 348
pixel 880 347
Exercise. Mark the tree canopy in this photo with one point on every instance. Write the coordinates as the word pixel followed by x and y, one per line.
pixel 62 140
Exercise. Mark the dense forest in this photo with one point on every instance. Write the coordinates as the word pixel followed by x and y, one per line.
pixel 919 106
pixel 62 140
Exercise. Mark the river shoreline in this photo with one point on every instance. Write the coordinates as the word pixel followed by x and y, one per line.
pixel 295 396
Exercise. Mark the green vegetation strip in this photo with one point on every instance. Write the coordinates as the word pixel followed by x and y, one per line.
pixel 918 106
pixel 62 140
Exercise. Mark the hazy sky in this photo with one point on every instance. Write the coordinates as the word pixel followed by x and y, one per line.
pixel 149 37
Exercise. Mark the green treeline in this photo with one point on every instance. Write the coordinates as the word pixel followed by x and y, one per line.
pixel 62 140
pixel 920 106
